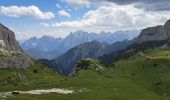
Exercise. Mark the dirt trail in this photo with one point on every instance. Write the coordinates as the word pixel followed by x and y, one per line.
pixel 3 95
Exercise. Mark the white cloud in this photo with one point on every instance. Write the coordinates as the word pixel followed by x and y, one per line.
pixel 112 17
pixel 45 24
pixel 58 6
pixel 78 3
pixel 18 11
pixel 64 13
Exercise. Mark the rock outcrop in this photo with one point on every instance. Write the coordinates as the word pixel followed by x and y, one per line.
pixel 65 63
pixel 11 55
pixel 15 61
pixel 167 28
pixel 157 33
pixel 7 40
pixel 149 38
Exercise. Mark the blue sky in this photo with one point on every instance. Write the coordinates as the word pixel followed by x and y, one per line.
pixel 57 18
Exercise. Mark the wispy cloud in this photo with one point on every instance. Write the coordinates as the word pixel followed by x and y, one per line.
pixel 78 3
pixel 58 6
pixel 31 11
pixel 64 13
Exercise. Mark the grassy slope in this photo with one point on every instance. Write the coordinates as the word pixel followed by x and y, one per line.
pixel 141 77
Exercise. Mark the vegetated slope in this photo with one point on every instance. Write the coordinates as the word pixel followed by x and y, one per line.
pixel 33 77
pixel 142 76
pixel 149 38
pixel 64 64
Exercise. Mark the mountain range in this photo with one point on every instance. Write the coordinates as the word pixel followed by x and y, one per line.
pixel 49 47
pixel 152 37
pixel 149 38
pixel 65 63
pixel 138 69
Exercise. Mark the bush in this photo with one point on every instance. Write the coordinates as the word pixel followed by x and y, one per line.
pixel 35 70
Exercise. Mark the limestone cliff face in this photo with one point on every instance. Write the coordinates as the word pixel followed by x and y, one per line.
pixel 14 60
pixel 7 40
pixel 157 33
pixel 65 63
pixel 167 28
pixel 11 55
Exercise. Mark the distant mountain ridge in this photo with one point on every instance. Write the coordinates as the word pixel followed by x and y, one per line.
pixel 149 38
pixel 59 46
pixel 65 63
pixel 45 47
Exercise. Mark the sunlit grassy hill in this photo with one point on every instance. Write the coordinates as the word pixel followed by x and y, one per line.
pixel 143 76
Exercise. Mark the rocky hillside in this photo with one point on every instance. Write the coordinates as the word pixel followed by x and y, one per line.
pixel 64 64
pixel 157 33
pixel 7 40
pixel 149 38
pixel 10 52
pixel 167 28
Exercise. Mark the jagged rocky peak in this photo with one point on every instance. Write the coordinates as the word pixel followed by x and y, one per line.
pixel 157 33
pixel 7 40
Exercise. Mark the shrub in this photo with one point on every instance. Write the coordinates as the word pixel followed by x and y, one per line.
pixel 35 70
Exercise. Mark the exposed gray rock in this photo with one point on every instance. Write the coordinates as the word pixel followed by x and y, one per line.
pixel 19 61
pixel 7 40
pixel 156 33
pixel 64 64
pixel 167 28
pixel 149 38
pixel 10 52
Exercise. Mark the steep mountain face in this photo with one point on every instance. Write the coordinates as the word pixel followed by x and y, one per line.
pixel 60 46
pixel 156 33
pixel 121 45
pixel 10 52
pixel 7 40
pixel 149 38
pixel 65 63
pixel 167 28
pixel 77 38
